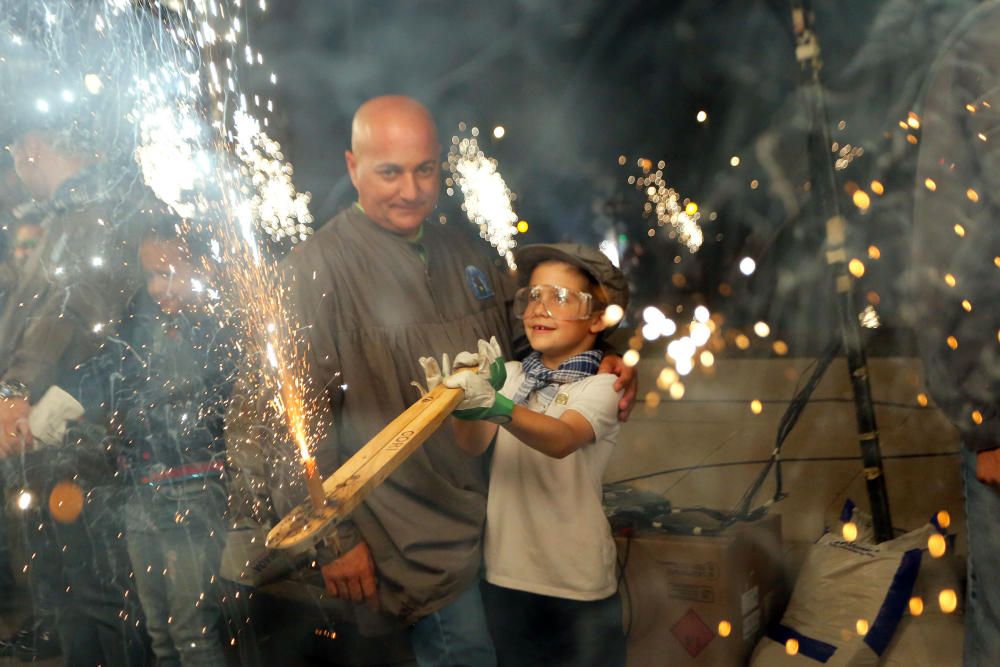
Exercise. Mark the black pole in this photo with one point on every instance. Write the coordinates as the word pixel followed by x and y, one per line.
pixel 824 192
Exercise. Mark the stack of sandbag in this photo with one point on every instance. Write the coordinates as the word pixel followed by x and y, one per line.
pixel 927 636
pixel 851 597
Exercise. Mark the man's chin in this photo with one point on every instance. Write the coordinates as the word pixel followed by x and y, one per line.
pixel 408 223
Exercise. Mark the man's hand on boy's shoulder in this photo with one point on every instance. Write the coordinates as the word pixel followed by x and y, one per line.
pixel 627 379
pixel 988 466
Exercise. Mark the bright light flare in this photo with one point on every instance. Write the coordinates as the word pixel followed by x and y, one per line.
pixel 609 248
pixel 937 545
pixel 869 318
pixel 487 201
pixel 25 499
pixel 665 203
pixel 682 348
pixel 948 600
pixel 850 531
pixel 613 314
pixel 666 378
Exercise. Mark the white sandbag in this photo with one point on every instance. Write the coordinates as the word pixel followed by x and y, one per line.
pixel 847 602
pixel 930 640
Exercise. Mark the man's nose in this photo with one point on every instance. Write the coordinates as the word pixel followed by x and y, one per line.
pixel 408 188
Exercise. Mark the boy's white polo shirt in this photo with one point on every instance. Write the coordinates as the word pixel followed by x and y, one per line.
pixel 546 531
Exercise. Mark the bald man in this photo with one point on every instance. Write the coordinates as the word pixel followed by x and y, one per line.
pixel 394 163
pixel 377 287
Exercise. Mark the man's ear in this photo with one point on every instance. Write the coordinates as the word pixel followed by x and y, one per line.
pixel 352 167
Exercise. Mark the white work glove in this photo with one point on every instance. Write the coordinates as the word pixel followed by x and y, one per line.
pixel 433 372
pixel 492 365
pixel 47 419
pixel 488 362
pixel 481 400
pixel 464 360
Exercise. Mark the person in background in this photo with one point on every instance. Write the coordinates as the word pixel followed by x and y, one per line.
pixel 956 260
pixel 67 297
pixel 10 196
pixel 173 372
pixel 26 238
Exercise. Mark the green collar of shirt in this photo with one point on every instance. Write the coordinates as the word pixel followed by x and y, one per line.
pixel 416 241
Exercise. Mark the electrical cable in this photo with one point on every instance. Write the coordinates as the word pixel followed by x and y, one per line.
pixel 740 401
pixel 792 459
pixel 743 512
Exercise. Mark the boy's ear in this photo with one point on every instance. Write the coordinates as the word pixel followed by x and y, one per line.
pixel 597 323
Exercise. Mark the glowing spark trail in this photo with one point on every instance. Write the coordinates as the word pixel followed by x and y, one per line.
pixel 487 199
pixel 167 75
pixel 670 210
pixel 231 176
pixel 280 210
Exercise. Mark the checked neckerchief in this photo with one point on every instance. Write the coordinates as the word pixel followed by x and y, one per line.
pixel 546 381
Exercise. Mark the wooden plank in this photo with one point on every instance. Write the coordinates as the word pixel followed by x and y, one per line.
pixel 363 472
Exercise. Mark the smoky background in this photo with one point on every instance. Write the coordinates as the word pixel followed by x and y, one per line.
pixel 576 85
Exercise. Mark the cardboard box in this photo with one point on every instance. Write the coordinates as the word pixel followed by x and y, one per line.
pixel 678 589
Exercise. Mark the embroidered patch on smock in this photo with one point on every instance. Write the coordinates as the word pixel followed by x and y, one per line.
pixel 478 283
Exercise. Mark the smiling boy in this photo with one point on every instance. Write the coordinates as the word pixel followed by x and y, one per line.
pixel 551 595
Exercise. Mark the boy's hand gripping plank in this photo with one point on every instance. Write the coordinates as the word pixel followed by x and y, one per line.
pixel 363 472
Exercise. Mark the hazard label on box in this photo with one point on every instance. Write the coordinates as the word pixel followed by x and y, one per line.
pixel 692 633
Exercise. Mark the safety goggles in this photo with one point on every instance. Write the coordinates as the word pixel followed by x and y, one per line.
pixel 560 303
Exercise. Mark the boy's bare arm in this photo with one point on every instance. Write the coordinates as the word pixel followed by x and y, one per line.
pixel 553 437
pixel 474 437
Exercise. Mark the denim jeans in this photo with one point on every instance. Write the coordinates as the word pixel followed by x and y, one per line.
pixel 455 636
pixel 531 630
pixel 97 616
pixel 175 534
pixel 982 614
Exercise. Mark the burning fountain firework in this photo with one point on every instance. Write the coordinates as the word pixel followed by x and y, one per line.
pixel 168 79
pixel 486 198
